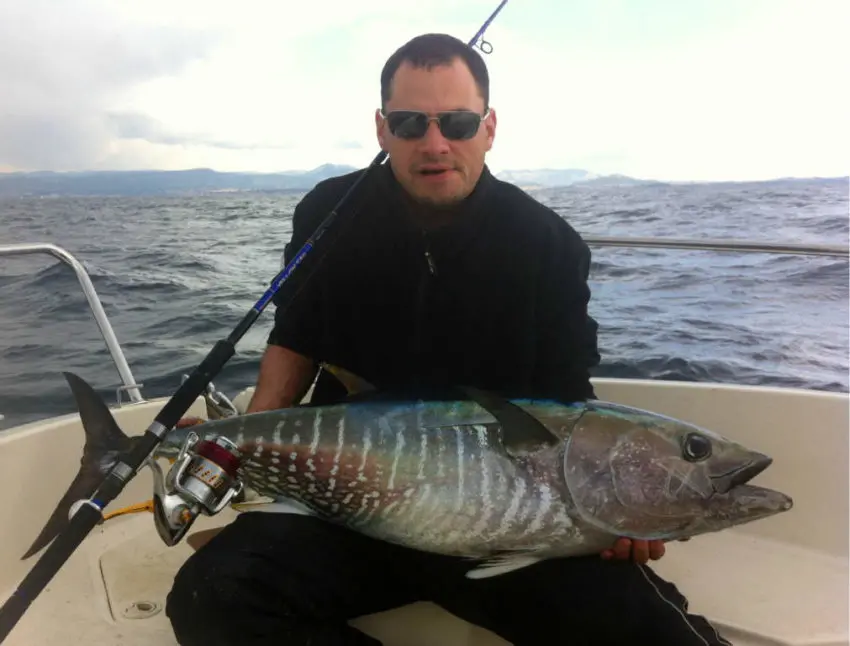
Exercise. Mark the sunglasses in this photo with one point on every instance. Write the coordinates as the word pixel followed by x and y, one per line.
pixel 456 125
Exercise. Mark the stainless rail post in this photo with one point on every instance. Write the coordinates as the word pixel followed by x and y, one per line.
pixel 95 306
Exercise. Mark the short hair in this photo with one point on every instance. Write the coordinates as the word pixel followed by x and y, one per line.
pixel 431 50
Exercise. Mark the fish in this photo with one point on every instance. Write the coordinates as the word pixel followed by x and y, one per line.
pixel 504 483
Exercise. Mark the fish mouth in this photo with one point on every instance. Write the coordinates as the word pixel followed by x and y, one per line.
pixel 742 475
pixel 761 502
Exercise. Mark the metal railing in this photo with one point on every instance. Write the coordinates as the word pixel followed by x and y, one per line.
pixel 132 388
pixel 95 306
pixel 716 244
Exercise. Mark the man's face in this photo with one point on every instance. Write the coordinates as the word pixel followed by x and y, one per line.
pixel 433 169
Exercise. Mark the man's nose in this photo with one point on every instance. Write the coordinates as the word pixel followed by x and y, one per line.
pixel 433 141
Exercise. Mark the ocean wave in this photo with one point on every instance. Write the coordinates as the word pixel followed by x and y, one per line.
pixel 679 369
pixel 176 274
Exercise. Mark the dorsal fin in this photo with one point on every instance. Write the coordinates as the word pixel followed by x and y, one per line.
pixel 521 431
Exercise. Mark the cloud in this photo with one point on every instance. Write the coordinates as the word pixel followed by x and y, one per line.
pixel 262 86
pixel 145 128
pixel 64 64
pixel 664 89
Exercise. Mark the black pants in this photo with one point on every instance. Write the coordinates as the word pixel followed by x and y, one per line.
pixel 293 580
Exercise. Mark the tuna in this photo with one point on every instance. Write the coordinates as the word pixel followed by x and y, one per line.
pixel 505 483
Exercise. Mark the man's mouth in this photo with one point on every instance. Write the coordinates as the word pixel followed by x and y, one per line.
pixel 434 171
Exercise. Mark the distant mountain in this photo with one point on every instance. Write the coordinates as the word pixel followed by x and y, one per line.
pixel 552 177
pixel 545 176
pixel 156 182
pixel 205 180
pixel 617 180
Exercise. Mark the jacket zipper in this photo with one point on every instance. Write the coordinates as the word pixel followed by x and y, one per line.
pixel 432 268
pixel 424 284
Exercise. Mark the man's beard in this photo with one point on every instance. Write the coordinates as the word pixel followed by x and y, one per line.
pixel 437 203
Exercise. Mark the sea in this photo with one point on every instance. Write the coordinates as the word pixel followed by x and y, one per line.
pixel 177 273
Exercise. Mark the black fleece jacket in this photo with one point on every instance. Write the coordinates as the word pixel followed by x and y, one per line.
pixel 495 299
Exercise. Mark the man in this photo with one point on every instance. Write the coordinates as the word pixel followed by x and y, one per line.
pixel 436 275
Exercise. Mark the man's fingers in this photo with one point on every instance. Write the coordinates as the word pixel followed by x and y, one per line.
pixel 623 548
pixel 657 549
pixel 640 551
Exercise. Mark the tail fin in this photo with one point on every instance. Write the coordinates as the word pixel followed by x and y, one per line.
pixel 104 441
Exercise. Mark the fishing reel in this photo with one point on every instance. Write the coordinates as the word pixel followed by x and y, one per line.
pixel 203 480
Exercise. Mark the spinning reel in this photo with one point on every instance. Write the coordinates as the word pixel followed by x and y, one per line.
pixel 203 480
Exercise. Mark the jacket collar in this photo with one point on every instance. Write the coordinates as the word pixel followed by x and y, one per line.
pixel 464 224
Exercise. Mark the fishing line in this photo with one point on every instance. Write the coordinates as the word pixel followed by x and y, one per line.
pixel 87 513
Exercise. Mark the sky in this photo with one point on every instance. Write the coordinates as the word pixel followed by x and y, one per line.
pixel 657 89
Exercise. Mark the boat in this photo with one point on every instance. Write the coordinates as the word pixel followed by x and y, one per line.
pixel 782 581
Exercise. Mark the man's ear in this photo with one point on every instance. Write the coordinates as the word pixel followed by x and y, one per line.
pixel 380 125
pixel 490 128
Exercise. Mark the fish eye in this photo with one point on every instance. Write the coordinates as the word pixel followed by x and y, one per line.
pixel 696 447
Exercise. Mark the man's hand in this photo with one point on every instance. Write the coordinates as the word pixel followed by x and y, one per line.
pixel 639 550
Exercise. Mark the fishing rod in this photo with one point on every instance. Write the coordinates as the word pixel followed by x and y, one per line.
pixel 87 513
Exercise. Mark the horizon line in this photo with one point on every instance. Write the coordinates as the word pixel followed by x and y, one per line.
pixel 597 175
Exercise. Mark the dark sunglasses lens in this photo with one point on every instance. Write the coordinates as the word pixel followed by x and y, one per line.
pixel 459 125
pixel 407 125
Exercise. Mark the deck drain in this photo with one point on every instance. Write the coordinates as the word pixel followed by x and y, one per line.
pixel 141 610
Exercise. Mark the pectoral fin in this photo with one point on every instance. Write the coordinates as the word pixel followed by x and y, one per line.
pixel 273 506
pixel 254 505
pixel 502 564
